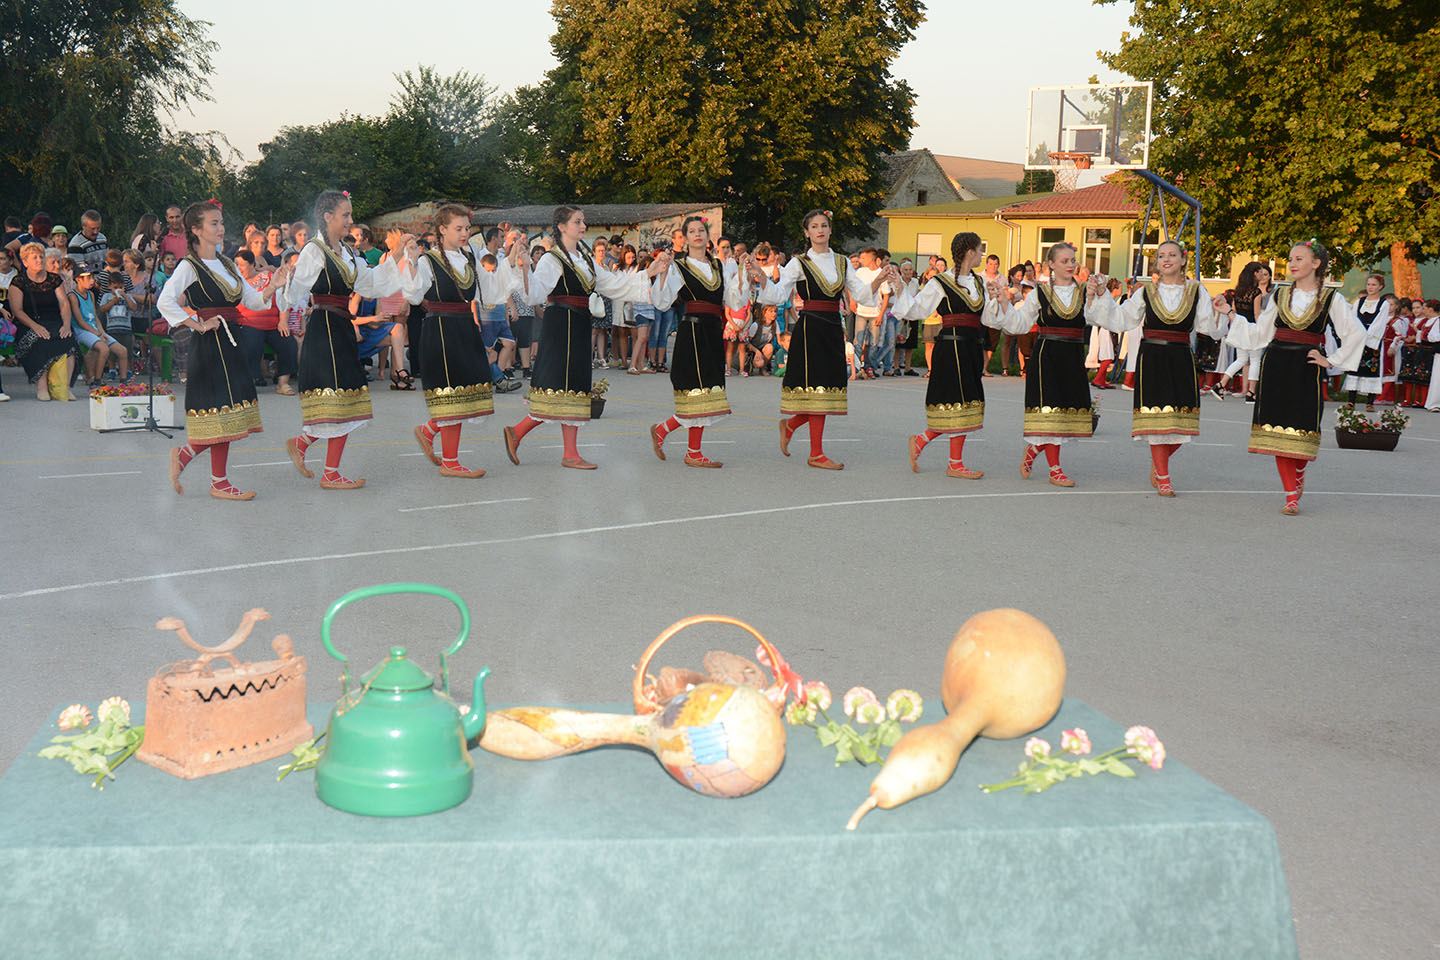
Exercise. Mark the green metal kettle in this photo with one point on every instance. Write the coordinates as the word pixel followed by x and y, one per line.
pixel 396 745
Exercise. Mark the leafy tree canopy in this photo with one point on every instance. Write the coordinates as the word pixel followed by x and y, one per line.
pixel 775 109
pixel 1296 120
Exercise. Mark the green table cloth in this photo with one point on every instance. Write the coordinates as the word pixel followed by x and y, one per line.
pixel 603 855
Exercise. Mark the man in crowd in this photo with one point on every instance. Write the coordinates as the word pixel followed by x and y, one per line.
pixel 173 239
pixel 89 245
pixel 495 330
pixel 869 321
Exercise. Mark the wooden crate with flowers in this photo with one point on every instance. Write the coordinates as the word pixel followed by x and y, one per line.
pixel 127 405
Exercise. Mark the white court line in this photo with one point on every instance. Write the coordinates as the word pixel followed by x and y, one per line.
pixel 561 446
pixel 418 454
pixel 1088 440
pixel 1197 443
pixel 263 463
pixel 472 503
pixel 672 521
pixel 70 476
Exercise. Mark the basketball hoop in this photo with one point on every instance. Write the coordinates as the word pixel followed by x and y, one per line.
pixel 1067 167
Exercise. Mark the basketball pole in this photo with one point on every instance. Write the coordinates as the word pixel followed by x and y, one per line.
pixel 1159 190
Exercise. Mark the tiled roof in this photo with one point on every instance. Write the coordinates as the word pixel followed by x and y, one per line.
pixel 962 208
pixel 1110 199
pixel 596 214
pixel 984 178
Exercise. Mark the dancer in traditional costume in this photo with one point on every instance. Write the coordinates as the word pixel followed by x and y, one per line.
pixel 955 395
pixel 563 280
pixel 1372 311
pixel 816 373
pixel 334 395
pixel 704 287
pixel 1288 406
pixel 202 295
pixel 1417 355
pixel 454 367
pixel 1249 298
pixel 1167 391
pixel 1057 389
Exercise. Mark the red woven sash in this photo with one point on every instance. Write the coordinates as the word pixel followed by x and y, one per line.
pixel 575 303
pixel 703 308
pixel 971 321
pixel 1286 335
pixel 1168 336
pixel 334 303
pixel 446 308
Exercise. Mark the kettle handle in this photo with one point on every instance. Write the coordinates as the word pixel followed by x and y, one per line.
pixel 380 590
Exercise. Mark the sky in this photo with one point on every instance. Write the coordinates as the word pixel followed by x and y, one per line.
pixel 289 64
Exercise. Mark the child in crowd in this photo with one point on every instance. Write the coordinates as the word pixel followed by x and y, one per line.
pixel 761 336
pixel 115 310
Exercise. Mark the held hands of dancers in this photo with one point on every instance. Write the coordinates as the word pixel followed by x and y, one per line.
pixel 1096 284
pixel 660 264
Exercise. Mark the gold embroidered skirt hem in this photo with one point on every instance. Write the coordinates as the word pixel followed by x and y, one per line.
pixel 829 401
pixel 701 402
pixel 445 404
pixel 1058 422
pixel 569 406
pixel 955 417
pixel 1167 419
pixel 1285 442
pixel 223 424
pixel 328 405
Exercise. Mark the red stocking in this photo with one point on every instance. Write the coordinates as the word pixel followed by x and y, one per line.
pixel 187 453
pixel 695 433
pixel 1052 454
pixel 302 442
pixel 450 446
pixel 333 452
pixel 817 434
pixel 527 424
pixel 665 428
pixel 1288 479
pixel 929 435
pixel 430 428
pixel 957 446
pixel 570 436
pixel 219 457
pixel 795 422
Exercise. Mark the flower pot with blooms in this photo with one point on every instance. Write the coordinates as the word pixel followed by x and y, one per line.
pixel 1355 431
pixel 597 397
pixel 127 405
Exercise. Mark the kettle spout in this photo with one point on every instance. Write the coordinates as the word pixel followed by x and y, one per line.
pixel 474 722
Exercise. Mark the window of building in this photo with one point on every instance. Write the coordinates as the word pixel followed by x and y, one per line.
pixel 928 244
pixel 921 197
pixel 1049 236
pixel 1096 255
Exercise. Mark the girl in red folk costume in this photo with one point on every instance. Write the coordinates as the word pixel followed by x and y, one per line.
pixel 704 287
pixel 563 280
pixel 1057 389
pixel 816 373
pixel 1291 329
pixel 202 295
pixel 454 368
pixel 1167 393
pixel 334 397
pixel 955 396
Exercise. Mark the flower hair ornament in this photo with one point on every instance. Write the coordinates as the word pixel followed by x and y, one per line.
pixel 215 203
pixel 828 215
pixel 346 193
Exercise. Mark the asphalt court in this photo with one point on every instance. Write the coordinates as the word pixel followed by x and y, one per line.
pixel 1292 661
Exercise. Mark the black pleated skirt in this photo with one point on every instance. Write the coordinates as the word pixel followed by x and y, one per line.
pixel 1167 390
pixel 455 369
pixel 560 376
pixel 1057 390
pixel 816 374
pixel 220 400
pixel 331 378
pixel 1288 403
pixel 697 368
pixel 954 395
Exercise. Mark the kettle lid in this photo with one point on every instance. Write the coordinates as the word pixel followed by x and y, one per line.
pixel 398 673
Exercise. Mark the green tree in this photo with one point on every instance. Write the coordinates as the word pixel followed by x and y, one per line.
pixel 775 109
pixel 1289 121
pixel 82 89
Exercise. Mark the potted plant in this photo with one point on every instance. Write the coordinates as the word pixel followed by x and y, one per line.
pixel 597 398
pixel 127 405
pixel 1355 431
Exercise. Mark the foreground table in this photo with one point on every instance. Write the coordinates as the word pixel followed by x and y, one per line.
pixel 602 855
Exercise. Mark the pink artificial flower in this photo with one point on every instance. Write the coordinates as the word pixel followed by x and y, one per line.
pixel 905 706
pixel 869 711
pixel 817 693
pixel 111 704
pixel 75 716
pixel 798 713
pixel 1143 743
pixel 855 696
pixel 1076 741
pixel 1136 734
pixel 1035 748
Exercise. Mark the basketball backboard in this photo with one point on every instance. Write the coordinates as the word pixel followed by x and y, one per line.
pixel 1108 123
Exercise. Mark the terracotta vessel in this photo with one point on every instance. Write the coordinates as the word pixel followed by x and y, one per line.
pixel 204 717
pixel 1004 677
pixel 722 739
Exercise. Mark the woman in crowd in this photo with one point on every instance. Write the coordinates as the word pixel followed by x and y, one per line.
pixel 41 307
pixel 146 237
pixel 563 280
pixel 1252 294
pixel 815 380
pixel 702 288
pixel 220 402
pixel 1288 406
pixel 1057 391
pixel 644 315
pixel 1167 393
pixel 1417 354
pixel 1372 311
pixel 622 314
pixel 334 396
pixel 955 395
pixel 454 368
